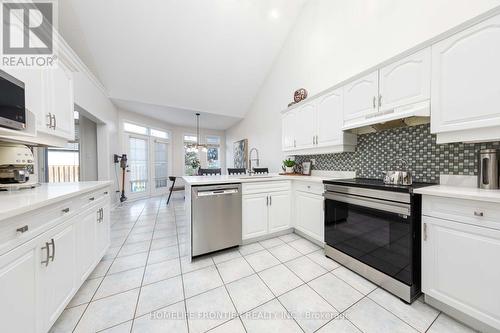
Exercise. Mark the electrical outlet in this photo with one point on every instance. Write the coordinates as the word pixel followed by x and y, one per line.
pixel 313 161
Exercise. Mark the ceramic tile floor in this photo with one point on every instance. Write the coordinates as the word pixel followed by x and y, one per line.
pixel 145 283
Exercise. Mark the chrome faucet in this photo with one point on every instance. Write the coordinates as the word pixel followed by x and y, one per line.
pixel 250 159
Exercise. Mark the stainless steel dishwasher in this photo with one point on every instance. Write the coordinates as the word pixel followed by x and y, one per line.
pixel 216 217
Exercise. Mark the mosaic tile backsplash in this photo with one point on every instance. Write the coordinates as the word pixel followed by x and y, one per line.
pixel 426 159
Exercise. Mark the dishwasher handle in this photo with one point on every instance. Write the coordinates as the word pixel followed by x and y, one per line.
pixel 217 192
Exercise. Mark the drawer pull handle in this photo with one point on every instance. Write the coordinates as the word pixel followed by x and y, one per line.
pixel 106 193
pixel 23 229
pixel 65 210
pixel 92 199
pixel 53 243
pixel 480 214
pixel 425 231
pixel 46 248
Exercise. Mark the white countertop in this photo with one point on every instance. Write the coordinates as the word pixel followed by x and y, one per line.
pixel 225 179
pixel 460 192
pixel 13 203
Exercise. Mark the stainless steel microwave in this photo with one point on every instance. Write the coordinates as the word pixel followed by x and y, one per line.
pixel 12 102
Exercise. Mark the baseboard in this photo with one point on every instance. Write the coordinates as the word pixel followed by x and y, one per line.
pixel 268 236
pixel 459 315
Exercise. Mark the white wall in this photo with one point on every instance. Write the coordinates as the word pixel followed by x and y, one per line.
pixel 334 40
pixel 177 142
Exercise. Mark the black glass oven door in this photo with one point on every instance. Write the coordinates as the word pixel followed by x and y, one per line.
pixel 375 232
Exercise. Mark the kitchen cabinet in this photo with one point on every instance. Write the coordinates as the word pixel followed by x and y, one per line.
pixel 465 91
pixel 86 229
pixel 288 129
pixel 316 127
pixel 44 266
pixel 309 215
pixel 460 241
pixel 254 215
pixel 329 119
pixel 59 103
pixel 305 126
pixel 103 227
pixel 57 273
pixel 360 98
pixel 458 269
pixel 279 211
pixel 406 84
pixel 266 208
pixel 19 289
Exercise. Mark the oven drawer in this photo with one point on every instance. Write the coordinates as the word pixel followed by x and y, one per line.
pixel 310 187
pixel 485 214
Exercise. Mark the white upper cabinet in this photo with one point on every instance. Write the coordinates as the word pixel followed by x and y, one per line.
pixel 465 89
pixel 60 103
pixel 288 128
pixel 329 119
pixel 316 126
pixel 305 126
pixel 360 98
pixel 406 84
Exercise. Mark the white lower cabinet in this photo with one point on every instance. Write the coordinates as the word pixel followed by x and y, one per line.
pixel 19 289
pixel 460 267
pixel 254 215
pixel 57 273
pixel 279 211
pixel 265 213
pixel 39 277
pixel 309 215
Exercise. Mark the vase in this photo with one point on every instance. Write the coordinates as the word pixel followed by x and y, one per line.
pixel 288 169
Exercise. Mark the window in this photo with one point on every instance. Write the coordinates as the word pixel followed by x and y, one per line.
pixel 158 133
pixel 132 128
pixel 213 152
pixel 191 156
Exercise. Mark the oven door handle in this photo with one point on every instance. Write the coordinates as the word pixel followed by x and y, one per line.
pixel 391 207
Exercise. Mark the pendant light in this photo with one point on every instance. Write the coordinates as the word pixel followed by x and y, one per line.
pixel 198 146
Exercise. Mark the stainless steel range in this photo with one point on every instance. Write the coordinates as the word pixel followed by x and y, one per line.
pixel 374 229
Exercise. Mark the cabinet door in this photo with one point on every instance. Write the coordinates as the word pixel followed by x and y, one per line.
pixel 57 278
pixel 309 215
pixel 405 82
pixel 61 101
pixel 465 72
pixel 305 129
pixel 102 231
pixel 254 215
pixel 460 267
pixel 86 231
pixel 18 289
pixel 288 130
pixel 360 98
pixel 329 119
pixel 279 211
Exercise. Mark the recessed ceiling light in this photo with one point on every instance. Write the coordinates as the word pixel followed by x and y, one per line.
pixel 274 14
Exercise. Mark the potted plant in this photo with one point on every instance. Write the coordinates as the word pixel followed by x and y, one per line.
pixel 288 165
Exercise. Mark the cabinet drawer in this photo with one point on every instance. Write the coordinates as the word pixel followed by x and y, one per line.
pixel 88 199
pixel 266 187
pixel 486 214
pixel 33 224
pixel 310 187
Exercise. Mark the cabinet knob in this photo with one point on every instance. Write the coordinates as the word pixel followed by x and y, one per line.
pixel 478 213
pixel 23 229
pixel 65 210
pixel 92 199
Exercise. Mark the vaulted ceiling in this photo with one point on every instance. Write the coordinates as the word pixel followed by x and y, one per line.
pixel 170 58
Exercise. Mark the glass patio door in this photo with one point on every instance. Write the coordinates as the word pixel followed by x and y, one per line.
pixel 160 166
pixel 138 184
